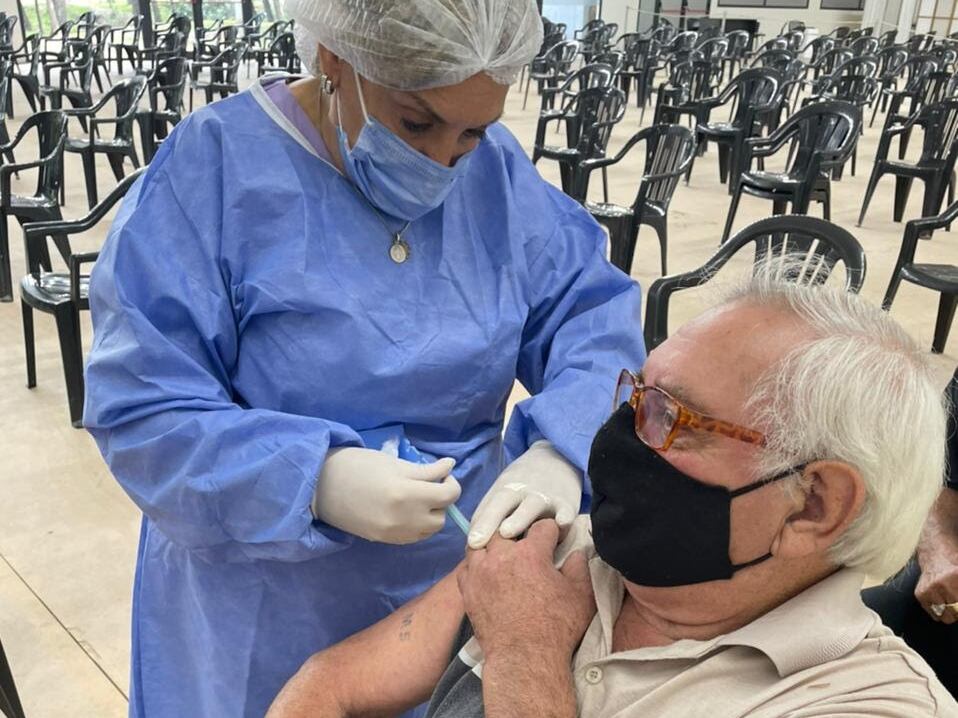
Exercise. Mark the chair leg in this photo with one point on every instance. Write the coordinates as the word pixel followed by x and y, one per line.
pixel 116 164
pixel 946 312
pixel 827 204
pixel 605 185
pixel 9 699
pixel 732 209
pixel 903 143
pixel 89 176
pixel 6 281
pixel 28 344
pixel 661 227
pixel 869 191
pixel 621 242
pixel 934 194
pixel 723 162
pixel 68 327
pixel 902 190
pixel 779 206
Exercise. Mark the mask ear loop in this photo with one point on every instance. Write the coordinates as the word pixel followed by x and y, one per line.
pixel 362 105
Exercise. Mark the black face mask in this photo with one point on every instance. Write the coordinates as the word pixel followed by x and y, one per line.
pixel 654 524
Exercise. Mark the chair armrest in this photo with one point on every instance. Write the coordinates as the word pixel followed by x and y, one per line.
pixel 76 261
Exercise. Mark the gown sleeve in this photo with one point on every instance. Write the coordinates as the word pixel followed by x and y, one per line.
pixel 584 325
pixel 229 482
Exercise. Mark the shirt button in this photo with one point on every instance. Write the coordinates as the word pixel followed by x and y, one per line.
pixel 593 675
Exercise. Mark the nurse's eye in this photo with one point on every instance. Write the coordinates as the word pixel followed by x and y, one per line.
pixel 416 128
pixel 476 134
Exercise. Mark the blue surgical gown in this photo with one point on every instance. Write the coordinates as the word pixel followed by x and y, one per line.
pixel 248 317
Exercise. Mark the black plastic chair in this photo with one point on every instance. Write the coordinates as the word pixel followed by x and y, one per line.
pixel 755 95
pixel 777 241
pixel 594 75
pixel 171 44
pixel 935 167
pixel 887 39
pixel 223 76
pixel 824 135
pixel 775 59
pixel 125 96
pixel 864 46
pixel 858 90
pixel 280 56
pixel 75 78
pixel 50 128
pixel 829 61
pixel 738 42
pixel 10 705
pixel 596 111
pixel 29 79
pixel 818 47
pixel 167 82
pixel 552 68
pixel 100 43
pixel 690 86
pixel 62 294
pixel 892 62
pixel 668 153
pixel 126 41
pixel 926 85
pixel 942 278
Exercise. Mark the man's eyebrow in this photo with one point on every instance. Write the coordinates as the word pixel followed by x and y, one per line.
pixel 682 395
pixel 436 117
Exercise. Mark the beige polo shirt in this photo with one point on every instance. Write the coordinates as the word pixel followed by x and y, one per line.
pixel 822 653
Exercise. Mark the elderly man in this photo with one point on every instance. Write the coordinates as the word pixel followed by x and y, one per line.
pixel 769 455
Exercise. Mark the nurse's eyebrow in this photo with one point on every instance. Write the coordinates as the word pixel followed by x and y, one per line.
pixel 437 118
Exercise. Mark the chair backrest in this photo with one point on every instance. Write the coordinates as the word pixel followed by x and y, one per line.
pixel 775 59
pixel 738 41
pixel 891 62
pixel 793 40
pixel 842 32
pixel 857 89
pixel 126 96
pixel 664 32
pixel 861 65
pixel 941 133
pixel 920 43
pixel 80 53
pixel 683 42
pixel 819 46
pixel 830 60
pixel 613 59
pixel 182 24
pixel 169 79
pixel 282 52
pixel 597 109
pixel 668 148
pixel 713 50
pixel 51 129
pixel 887 39
pixel 946 56
pixel 756 87
pixel 777 242
pixel 864 46
pixel 825 134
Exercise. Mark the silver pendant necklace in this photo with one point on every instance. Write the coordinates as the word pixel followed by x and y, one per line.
pixel 399 249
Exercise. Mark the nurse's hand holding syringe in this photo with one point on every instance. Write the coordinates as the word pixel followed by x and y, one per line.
pixel 383 498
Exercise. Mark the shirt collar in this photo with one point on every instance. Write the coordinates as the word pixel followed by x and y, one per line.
pixel 822 623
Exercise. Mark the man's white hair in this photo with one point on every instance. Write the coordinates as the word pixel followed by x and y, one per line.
pixel 859 391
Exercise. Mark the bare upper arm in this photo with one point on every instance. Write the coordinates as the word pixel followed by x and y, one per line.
pixel 389 667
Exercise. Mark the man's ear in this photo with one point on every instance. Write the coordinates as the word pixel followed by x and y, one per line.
pixel 833 495
pixel 331 65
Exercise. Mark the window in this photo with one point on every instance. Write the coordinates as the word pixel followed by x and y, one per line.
pixel 940 16
pixel 843 5
pixel 789 4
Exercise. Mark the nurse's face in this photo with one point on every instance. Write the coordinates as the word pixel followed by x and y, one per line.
pixel 442 123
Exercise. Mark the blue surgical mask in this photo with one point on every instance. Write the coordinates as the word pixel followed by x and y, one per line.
pixel 394 177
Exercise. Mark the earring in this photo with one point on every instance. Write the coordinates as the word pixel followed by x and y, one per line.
pixel 325 84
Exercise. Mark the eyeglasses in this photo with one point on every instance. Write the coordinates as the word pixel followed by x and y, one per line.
pixel 659 416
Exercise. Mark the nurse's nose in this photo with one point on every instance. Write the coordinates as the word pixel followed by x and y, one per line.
pixel 445 151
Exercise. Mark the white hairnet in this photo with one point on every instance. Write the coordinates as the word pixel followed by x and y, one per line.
pixel 420 44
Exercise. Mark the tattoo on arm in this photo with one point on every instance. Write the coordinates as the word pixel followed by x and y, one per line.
pixel 405 627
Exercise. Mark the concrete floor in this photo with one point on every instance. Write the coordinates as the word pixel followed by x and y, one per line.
pixel 68 533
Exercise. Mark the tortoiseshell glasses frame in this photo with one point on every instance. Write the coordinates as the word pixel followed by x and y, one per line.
pixel 659 416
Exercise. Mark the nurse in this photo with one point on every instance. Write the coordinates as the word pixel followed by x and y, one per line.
pixel 303 265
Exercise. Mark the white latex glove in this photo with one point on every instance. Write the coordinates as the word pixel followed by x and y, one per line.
pixel 539 484
pixel 382 498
